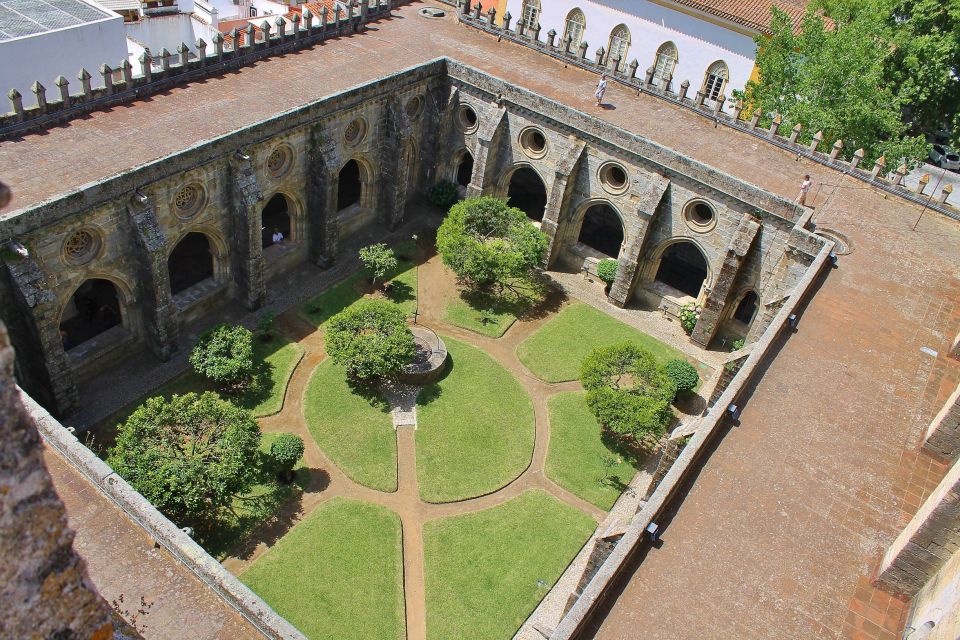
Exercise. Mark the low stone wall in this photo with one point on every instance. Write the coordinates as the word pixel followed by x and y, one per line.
pixel 634 537
pixel 180 545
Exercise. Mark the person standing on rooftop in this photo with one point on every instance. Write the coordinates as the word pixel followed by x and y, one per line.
pixel 601 89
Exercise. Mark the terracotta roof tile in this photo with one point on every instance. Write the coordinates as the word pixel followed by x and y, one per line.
pixel 754 14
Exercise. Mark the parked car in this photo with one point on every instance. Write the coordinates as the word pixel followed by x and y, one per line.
pixel 945 157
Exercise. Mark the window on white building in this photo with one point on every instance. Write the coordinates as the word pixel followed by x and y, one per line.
pixel 665 63
pixel 715 80
pixel 531 13
pixel 576 23
pixel 619 43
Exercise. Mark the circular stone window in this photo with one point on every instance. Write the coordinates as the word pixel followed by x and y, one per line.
pixel 467 118
pixel 414 107
pixel 279 161
pixel 355 131
pixel 533 142
pixel 699 216
pixel 613 177
pixel 81 246
pixel 189 200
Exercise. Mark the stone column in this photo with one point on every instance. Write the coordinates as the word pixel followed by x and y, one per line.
pixel 397 135
pixel 943 434
pixel 716 300
pixel 157 310
pixel 44 588
pixel 322 228
pixel 558 199
pixel 487 139
pixel 636 229
pixel 245 203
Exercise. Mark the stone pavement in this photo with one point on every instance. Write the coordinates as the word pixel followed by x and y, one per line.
pixel 123 562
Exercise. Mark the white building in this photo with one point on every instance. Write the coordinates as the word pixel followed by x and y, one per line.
pixel 43 39
pixel 708 42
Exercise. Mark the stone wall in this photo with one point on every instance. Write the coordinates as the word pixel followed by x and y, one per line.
pixel 943 435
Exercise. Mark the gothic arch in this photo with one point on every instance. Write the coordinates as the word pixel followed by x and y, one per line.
pixel 715 80
pixel 574 28
pixel 96 303
pixel 685 267
pixel 604 213
pixel 461 170
pixel 665 63
pixel 525 188
pixel 618 44
pixel 356 174
pixel 190 265
pixel 289 219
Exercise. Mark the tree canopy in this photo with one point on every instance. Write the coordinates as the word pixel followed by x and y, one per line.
pixel 224 354
pixel 379 260
pixel 189 456
pixel 371 339
pixel 486 242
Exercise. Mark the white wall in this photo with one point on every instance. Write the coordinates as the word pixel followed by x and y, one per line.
pixel 44 56
pixel 699 42
pixel 168 31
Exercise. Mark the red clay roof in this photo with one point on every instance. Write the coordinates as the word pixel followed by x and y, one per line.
pixel 753 14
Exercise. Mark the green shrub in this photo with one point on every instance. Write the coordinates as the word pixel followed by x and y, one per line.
pixel 683 374
pixel 265 326
pixel 224 354
pixel 286 451
pixel 607 270
pixel 371 339
pixel 689 314
pixel 738 344
pixel 444 194
pixel 379 260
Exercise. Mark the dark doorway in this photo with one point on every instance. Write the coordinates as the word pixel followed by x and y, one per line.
pixel 747 308
pixel 602 230
pixel 465 170
pixel 527 193
pixel 683 267
pixel 190 262
pixel 348 186
pixel 275 217
pixel 93 308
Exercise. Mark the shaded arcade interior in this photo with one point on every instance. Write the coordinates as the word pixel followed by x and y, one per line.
pixel 527 193
pixel 190 262
pixel 349 186
pixel 92 309
pixel 465 169
pixel 683 267
pixel 602 230
pixel 275 217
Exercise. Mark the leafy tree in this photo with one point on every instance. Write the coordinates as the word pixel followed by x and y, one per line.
pixel 488 243
pixel 627 392
pixel 683 374
pixel 224 354
pixel 607 270
pixel 834 79
pixel 190 457
pixel 379 260
pixel 286 451
pixel 371 339
pixel 444 194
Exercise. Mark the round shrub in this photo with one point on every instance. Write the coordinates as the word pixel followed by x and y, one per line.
pixel 371 339
pixel 224 354
pixel 444 194
pixel 688 317
pixel 607 270
pixel 286 451
pixel 683 374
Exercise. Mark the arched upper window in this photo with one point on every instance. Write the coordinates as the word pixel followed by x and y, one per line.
pixel 619 43
pixel 715 80
pixel 576 23
pixel 665 63
pixel 531 13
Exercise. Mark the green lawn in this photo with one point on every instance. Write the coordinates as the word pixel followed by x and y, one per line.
pixel 578 460
pixel 338 574
pixel 555 351
pixel 461 314
pixel 475 428
pixel 403 291
pixel 356 432
pixel 486 571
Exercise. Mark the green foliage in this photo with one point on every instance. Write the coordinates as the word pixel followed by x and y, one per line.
pixel 738 344
pixel 487 243
pixel 627 392
pixel 379 260
pixel 265 325
pixel 190 456
pixel 286 451
pixel 444 194
pixel 683 374
pixel 224 354
pixel 688 317
pixel 371 340
pixel 848 81
pixel 607 270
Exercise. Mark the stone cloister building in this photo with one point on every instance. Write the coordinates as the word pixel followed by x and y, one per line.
pixel 123 265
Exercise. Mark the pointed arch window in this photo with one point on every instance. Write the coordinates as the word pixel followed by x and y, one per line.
pixel 619 44
pixel 576 24
pixel 715 80
pixel 531 13
pixel 665 63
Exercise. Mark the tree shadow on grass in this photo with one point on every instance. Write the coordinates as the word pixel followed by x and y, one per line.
pixel 429 393
pixel 399 292
pixel 524 301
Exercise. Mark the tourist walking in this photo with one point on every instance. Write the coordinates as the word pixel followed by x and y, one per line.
pixel 804 189
pixel 601 89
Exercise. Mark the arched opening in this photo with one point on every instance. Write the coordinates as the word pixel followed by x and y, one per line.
pixel 665 63
pixel 349 187
pixel 275 221
pixel 619 43
pixel 715 79
pixel 92 309
pixel 683 267
pixel 602 230
pixel 190 262
pixel 531 13
pixel 576 24
pixel 747 308
pixel 527 193
pixel 465 169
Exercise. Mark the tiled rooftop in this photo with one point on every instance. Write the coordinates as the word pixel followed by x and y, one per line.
pixel 754 14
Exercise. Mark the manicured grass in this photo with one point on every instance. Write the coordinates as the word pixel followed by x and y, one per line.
pixel 578 459
pixel 338 574
pixel 356 432
pixel 475 428
pixel 322 307
pixel 461 314
pixel 486 571
pixel 555 351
